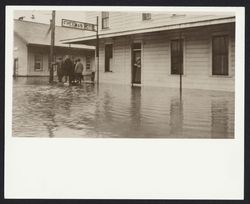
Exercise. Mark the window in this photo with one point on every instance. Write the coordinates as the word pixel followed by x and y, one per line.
pixel 146 16
pixel 88 62
pixel 105 20
pixel 177 56
pixel 136 46
pixel 220 55
pixel 108 56
pixel 38 66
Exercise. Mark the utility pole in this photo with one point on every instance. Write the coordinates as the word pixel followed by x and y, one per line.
pixel 97 49
pixel 52 44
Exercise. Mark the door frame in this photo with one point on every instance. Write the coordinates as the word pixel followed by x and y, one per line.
pixel 110 68
pixel 131 61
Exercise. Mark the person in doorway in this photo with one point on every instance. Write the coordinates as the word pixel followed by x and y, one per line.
pixel 78 71
pixel 137 62
pixel 137 69
pixel 59 69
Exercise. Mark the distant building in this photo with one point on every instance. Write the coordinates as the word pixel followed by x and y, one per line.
pixel 154 48
pixel 32 48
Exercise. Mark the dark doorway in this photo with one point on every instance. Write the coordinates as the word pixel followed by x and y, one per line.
pixel 108 56
pixel 15 67
pixel 136 63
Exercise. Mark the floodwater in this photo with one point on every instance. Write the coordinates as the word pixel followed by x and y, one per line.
pixel 119 111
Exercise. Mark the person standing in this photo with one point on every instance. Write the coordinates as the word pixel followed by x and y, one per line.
pixel 71 70
pixel 59 65
pixel 78 70
pixel 68 69
pixel 93 70
pixel 64 69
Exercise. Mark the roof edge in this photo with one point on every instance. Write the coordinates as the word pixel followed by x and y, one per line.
pixel 47 45
pixel 141 30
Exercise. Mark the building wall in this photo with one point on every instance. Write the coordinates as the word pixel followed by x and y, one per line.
pixel 120 64
pixel 156 59
pixel 58 53
pixel 20 53
pixel 37 33
pixel 124 21
pixel 31 63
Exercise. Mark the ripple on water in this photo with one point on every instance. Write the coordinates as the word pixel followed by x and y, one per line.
pixel 42 110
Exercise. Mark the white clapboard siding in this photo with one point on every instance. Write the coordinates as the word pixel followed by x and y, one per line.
pixel 20 52
pixel 124 21
pixel 232 56
pixel 31 65
pixel 156 60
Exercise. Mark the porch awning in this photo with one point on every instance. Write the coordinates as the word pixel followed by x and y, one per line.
pixel 63 46
pixel 91 40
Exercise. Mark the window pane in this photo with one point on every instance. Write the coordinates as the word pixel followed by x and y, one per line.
pixel 105 14
pixel 105 19
pixel 38 62
pixel 88 62
pixel 105 23
pixel 220 55
pixel 136 45
pixel 146 16
pixel 176 56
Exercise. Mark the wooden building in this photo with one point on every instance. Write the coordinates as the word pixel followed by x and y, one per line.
pixel 32 48
pixel 154 48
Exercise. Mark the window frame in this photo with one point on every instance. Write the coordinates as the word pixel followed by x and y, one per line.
pixel 105 18
pixel 41 60
pixel 142 42
pixel 210 68
pixel 183 56
pixel 146 16
pixel 228 55
pixel 88 62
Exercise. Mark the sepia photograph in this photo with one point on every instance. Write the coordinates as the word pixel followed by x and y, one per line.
pixel 124 102
pixel 110 74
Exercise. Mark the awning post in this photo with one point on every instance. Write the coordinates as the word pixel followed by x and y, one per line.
pixel 181 61
pixel 52 44
pixel 97 49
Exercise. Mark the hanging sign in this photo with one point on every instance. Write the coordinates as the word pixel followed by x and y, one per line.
pixel 78 25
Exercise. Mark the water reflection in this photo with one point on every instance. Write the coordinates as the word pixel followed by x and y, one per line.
pixel 135 109
pixel 176 117
pixel 220 118
pixel 43 110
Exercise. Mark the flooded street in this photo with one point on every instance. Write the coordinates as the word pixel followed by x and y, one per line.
pixel 119 111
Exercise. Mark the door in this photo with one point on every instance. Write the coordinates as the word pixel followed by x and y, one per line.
pixel 108 56
pixel 136 63
pixel 15 68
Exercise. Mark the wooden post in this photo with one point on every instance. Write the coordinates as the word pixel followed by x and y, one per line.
pixel 52 44
pixel 97 49
pixel 181 62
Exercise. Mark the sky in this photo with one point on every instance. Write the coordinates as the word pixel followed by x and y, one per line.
pixel 45 16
